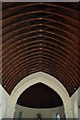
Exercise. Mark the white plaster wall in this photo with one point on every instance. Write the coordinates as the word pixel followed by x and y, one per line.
pixel 4 97
pixel 75 98
pixel 0 102
pixel 32 112
pixel 79 103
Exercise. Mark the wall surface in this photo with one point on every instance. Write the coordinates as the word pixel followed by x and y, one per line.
pixel 4 97
pixel 75 103
pixel 0 102
pixel 32 113
pixel 79 103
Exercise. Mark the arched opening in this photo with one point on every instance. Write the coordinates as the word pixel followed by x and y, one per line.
pixel 40 100
pixel 46 79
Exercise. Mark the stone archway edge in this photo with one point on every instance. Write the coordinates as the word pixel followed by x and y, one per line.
pixel 37 78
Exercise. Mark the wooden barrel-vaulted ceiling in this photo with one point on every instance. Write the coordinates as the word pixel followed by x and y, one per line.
pixel 41 37
pixel 40 96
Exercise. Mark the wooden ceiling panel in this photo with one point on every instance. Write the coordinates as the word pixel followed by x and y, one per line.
pixel 41 37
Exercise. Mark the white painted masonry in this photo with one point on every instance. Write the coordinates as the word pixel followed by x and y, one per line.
pixel 79 103
pixel 37 78
pixel 4 98
pixel 8 102
pixel 74 102
pixel 75 98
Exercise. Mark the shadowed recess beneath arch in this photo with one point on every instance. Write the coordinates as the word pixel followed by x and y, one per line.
pixel 39 96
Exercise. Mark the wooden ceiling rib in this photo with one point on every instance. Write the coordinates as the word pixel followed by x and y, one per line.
pixel 39 96
pixel 41 37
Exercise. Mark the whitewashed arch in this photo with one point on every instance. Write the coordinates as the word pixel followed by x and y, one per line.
pixel 46 79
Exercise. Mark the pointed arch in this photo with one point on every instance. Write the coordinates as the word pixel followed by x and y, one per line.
pixel 39 77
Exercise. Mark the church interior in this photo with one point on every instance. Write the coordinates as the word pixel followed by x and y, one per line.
pixel 40 60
